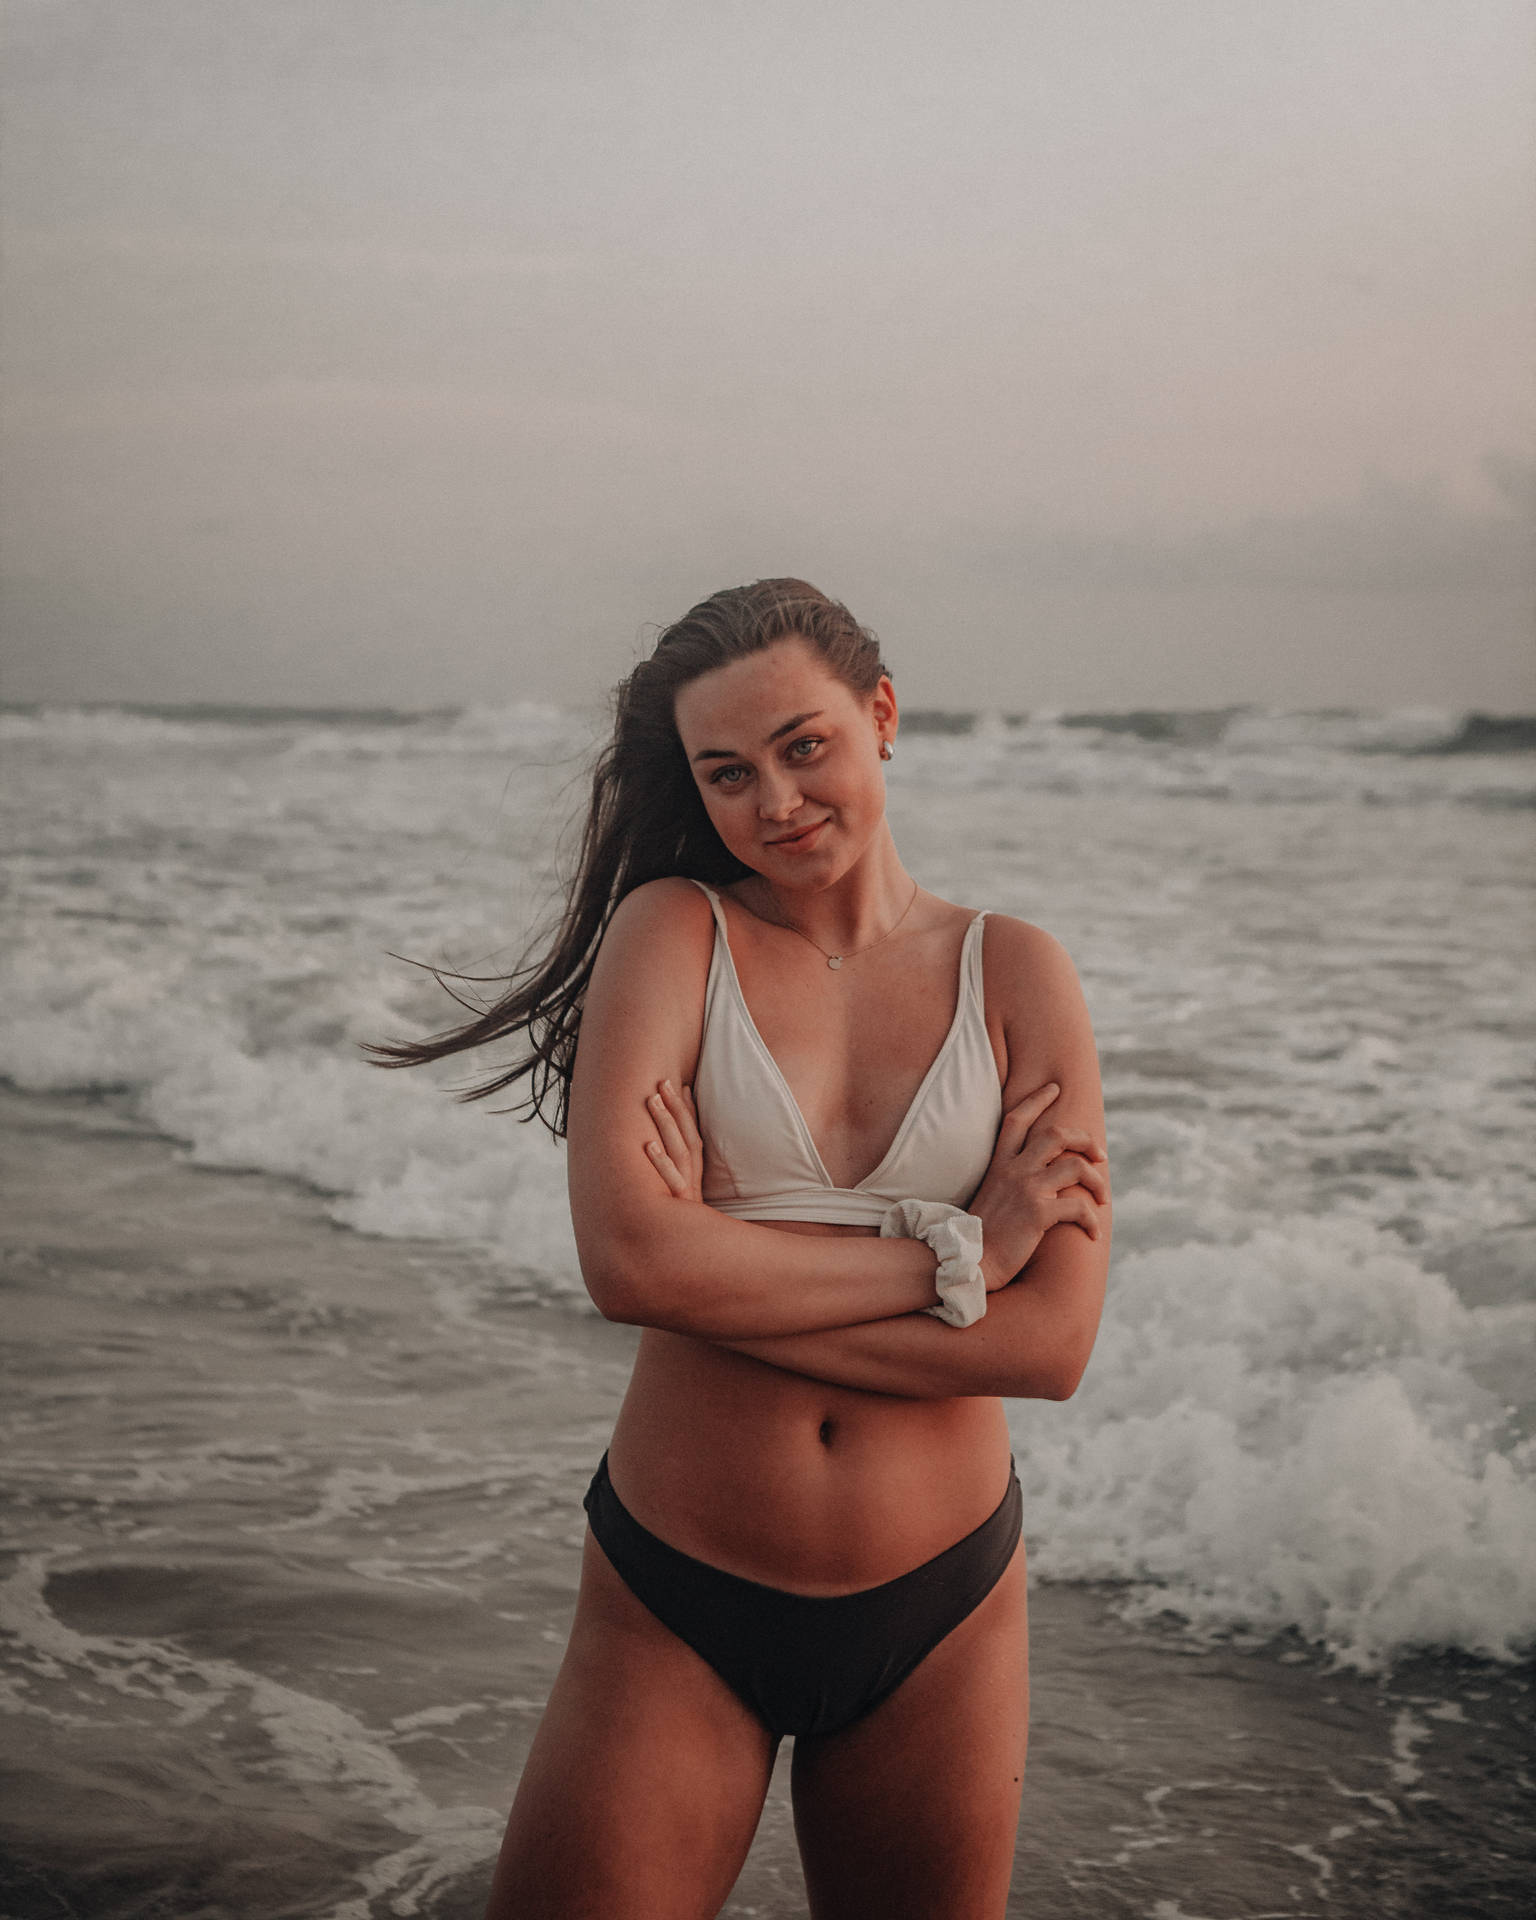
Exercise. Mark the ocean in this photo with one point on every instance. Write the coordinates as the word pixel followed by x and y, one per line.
pixel 303 1385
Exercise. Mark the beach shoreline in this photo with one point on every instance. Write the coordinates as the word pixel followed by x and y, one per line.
pixel 256 1678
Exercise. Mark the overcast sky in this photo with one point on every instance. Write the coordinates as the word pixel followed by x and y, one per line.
pixel 1097 352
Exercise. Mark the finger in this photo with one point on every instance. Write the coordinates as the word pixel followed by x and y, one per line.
pixel 1078 1140
pixel 1012 1132
pixel 1018 1120
pixel 1034 1104
pixel 1096 1180
pixel 1069 1169
pixel 1075 1208
pixel 690 1160
pixel 1063 1139
pixel 695 1139
pixel 1049 1143
pixel 1073 1139
pixel 665 1168
pixel 680 1106
pixel 671 1136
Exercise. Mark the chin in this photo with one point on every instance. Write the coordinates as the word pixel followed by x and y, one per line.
pixel 812 872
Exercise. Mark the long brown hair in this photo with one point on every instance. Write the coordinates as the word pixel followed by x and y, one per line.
pixel 646 820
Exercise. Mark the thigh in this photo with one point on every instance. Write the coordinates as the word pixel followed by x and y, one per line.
pixel 913 1810
pixel 645 1780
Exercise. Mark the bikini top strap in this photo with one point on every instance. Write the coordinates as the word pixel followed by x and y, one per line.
pixel 714 901
pixel 973 970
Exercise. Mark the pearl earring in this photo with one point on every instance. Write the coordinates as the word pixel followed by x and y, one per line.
pixel 887 750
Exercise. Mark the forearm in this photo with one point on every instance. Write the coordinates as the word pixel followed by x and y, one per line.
pixel 1033 1343
pixel 686 1268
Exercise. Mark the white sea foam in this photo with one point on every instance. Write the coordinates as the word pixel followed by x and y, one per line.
pixel 193 1700
pixel 1294 1431
pixel 1310 1018
pixel 393 1155
pixel 1397 730
pixel 527 730
pixel 1252 756
pixel 114 729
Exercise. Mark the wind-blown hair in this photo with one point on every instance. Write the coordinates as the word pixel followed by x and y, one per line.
pixel 646 820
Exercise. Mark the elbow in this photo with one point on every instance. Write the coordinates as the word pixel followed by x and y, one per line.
pixel 1068 1364
pixel 1036 1379
pixel 618 1305
pixel 621 1274
pixel 611 1271
pixel 618 1299
pixel 1050 1370
pixel 1063 1379
pixel 614 1299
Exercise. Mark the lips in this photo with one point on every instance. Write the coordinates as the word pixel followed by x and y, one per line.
pixel 801 840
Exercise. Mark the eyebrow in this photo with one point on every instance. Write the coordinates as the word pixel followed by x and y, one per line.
pixel 729 753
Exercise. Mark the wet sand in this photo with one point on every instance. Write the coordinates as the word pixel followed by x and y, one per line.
pixel 293 1519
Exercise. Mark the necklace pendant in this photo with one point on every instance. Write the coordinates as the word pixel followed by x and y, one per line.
pixel 834 961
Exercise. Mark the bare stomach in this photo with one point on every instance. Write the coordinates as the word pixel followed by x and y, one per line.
pixel 790 1481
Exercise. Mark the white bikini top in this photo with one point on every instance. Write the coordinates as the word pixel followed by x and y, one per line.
pixel 760 1160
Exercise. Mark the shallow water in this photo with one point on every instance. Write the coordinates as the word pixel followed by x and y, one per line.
pixel 279 1621
pixel 293 1509
pixel 1305 942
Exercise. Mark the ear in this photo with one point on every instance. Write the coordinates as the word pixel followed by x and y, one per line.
pixel 882 707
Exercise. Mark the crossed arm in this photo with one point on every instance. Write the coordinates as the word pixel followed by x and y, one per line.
pixel 1033 1342
pixel 646 1259
pixel 841 1309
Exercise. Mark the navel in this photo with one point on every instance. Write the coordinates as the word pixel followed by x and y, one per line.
pixel 824 1433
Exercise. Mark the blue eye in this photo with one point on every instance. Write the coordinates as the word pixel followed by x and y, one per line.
pixel 809 744
pixel 727 776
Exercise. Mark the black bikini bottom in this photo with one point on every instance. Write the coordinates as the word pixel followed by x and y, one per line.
pixel 805 1664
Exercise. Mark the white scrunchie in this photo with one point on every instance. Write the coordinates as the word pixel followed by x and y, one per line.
pixel 955 1236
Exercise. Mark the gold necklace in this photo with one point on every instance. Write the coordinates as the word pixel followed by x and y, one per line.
pixel 835 960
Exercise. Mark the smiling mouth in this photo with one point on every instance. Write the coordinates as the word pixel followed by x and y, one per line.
pixel 799 837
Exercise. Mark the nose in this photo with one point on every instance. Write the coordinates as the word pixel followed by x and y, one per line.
pixel 778 796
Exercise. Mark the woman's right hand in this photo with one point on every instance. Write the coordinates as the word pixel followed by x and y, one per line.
pixel 1041 1175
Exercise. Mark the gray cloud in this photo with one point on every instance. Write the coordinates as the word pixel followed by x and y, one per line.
pixel 443 346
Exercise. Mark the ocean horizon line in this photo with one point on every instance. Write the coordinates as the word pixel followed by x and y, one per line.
pixel 1411 729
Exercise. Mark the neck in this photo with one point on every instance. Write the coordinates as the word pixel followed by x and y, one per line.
pixel 854 911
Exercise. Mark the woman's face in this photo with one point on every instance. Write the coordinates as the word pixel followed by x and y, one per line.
pixel 788 760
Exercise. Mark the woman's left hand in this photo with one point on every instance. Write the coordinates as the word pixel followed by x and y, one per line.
pixel 677 1153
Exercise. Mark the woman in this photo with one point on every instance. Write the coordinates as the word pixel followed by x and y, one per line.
pixel 807 1521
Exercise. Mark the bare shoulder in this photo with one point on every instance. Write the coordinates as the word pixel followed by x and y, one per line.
pixel 651 970
pixel 660 923
pixel 1021 957
pixel 1036 1010
pixel 643 1013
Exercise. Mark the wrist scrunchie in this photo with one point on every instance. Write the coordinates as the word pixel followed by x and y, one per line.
pixel 955 1236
